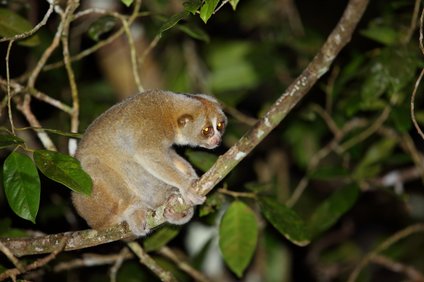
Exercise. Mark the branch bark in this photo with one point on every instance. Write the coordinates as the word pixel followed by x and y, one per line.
pixel 320 64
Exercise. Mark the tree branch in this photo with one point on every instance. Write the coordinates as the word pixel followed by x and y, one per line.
pixel 320 64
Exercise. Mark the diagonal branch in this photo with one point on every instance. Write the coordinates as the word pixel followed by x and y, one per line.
pixel 320 64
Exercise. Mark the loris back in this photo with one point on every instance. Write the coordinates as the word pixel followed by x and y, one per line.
pixel 128 153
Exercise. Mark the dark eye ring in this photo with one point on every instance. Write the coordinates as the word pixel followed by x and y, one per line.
pixel 207 131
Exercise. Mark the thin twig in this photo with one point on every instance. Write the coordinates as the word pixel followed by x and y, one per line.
pixel 414 21
pixel 417 228
pixel 145 259
pixel 5 250
pixel 36 264
pixel 100 44
pixel 35 28
pixel 183 265
pixel 9 95
pixel 412 273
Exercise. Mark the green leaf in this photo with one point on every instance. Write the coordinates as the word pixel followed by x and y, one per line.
pixel 332 209
pixel 195 32
pixel 234 4
pixel 22 185
pixel 370 164
pixel 401 118
pixel 381 34
pixel 172 21
pixel 161 237
pixel 207 9
pixel 238 234
pixel 285 220
pixel 127 2
pixel 63 169
pixel 9 140
pixel 201 160
pixel 192 6
pixel 12 24
pixel 101 26
pixel 232 69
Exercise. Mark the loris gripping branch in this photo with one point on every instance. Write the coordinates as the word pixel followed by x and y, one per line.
pixel 128 153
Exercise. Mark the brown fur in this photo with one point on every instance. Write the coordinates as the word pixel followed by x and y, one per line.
pixel 128 153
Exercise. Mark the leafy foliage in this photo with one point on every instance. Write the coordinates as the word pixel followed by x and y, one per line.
pixel 21 185
pixel 344 169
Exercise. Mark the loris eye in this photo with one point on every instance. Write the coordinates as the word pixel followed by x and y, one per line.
pixel 220 126
pixel 207 131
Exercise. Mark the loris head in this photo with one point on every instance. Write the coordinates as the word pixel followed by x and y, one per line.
pixel 204 123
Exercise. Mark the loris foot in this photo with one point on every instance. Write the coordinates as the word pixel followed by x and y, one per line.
pixel 135 217
pixel 174 212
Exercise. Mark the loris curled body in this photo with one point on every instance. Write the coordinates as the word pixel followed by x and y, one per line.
pixel 128 153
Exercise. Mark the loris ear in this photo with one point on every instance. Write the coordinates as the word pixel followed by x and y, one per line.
pixel 184 119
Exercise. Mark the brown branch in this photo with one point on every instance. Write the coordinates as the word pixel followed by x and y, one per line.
pixel 12 273
pixel 151 263
pixel 183 265
pixel 340 36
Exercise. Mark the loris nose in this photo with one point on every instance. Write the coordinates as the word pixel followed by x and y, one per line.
pixel 215 140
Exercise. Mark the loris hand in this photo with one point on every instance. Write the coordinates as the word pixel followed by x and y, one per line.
pixel 191 197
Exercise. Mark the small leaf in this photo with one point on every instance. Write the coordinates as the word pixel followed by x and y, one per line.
pixel 285 220
pixel 12 24
pixel 161 237
pixel 9 140
pixel 207 9
pixel 22 185
pixel 172 21
pixel 101 26
pixel 195 32
pixel 238 234
pixel 381 33
pixel 127 2
pixel 332 209
pixel 63 169
pixel 192 6
pixel 234 4
pixel 201 160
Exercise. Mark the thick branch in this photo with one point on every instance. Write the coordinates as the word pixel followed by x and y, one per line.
pixel 340 36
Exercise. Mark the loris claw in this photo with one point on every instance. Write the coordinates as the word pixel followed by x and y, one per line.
pixel 128 153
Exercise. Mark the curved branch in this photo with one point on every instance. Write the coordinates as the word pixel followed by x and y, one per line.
pixel 320 64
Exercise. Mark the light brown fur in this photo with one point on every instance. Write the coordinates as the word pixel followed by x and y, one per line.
pixel 128 153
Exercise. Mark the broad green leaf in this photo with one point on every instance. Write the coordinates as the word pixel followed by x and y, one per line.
pixel 172 21
pixel 21 185
pixel 207 9
pixel 201 160
pixel 160 237
pixel 231 67
pixel 127 2
pixel 238 234
pixel 101 26
pixel 381 34
pixel 63 169
pixel 12 24
pixel 332 209
pixel 9 140
pixel 195 32
pixel 370 164
pixel 234 4
pixel 285 220
pixel 192 6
